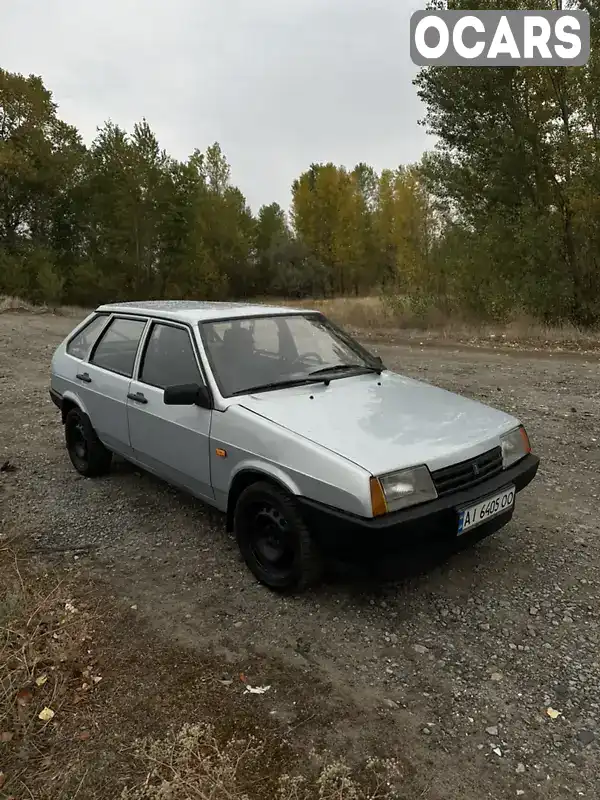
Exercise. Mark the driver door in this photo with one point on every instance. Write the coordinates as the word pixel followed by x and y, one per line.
pixel 170 441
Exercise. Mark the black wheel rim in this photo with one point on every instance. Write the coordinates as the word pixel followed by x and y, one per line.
pixel 270 541
pixel 78 442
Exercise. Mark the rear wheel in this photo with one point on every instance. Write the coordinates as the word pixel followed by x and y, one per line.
pixel 87 453
pixel 274 540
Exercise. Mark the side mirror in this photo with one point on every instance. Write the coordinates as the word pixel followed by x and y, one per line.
pixel 189 394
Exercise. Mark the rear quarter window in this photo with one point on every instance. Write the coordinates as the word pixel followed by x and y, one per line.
pixel 81 344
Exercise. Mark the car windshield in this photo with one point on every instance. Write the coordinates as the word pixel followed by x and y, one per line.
pixel 262 353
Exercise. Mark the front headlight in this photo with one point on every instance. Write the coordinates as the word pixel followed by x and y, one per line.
pixel 515 446
pixel 397 490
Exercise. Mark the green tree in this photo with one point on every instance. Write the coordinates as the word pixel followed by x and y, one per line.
pixel 40 160
pixel 272 234
pixel 516 166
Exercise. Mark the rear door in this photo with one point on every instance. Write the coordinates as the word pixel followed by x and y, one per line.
pixel 171 441
pixel 69 363
pixel 106 377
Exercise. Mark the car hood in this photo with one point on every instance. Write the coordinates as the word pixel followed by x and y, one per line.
pixel 384 423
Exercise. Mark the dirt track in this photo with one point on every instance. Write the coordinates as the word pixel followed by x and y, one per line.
pixel 452 671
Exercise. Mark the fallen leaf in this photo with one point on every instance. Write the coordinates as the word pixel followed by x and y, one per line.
pixel 41 680
pixel 24 697
pixel 97 679
pixel 226 683
pixel 6 736
pixel 2 779
pixel 553 714
pixel 243 677
pixel 46 714
pixel 84 736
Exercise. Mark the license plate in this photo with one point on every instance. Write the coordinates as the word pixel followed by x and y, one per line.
pixel 485 510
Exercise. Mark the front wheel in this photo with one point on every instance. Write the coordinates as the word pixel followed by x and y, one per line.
pixel 274 540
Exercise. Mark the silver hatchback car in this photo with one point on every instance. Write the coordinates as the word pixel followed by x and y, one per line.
pixel 285 423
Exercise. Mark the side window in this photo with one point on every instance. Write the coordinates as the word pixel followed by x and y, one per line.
pixel 80 345
pixel 117 348
pixel 169 358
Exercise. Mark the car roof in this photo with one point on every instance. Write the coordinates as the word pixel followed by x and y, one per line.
pixel 199 311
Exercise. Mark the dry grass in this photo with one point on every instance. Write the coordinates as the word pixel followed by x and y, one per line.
pixel 374 316
pixel 17 304
pixel 46 670
pixel 191 764
pixel 53 639
pixel 359 312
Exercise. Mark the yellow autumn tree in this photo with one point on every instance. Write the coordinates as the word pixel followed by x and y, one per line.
pixel 328 215
pixel 403 227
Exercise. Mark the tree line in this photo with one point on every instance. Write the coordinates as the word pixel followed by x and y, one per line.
pixel 503 216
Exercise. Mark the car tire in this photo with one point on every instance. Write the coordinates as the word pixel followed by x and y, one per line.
pixel 274 540
pixel 87 453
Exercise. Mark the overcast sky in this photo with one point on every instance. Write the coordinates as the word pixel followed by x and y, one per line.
pixel 279 83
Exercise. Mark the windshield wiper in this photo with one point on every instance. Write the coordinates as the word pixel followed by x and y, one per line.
pixel 265 387
pixel 346 367
pixel 318 376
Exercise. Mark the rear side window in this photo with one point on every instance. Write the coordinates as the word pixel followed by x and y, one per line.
pixel 80 345
pixel 169 359
pixel 117 348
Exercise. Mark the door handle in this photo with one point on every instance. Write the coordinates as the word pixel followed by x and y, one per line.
pixel 138 397
pixel 83 376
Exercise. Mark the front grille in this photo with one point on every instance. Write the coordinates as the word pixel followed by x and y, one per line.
pixel 469 473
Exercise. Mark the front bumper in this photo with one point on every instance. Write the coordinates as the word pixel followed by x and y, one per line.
pixel 341 534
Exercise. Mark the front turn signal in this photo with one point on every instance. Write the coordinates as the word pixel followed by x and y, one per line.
pixel 378 504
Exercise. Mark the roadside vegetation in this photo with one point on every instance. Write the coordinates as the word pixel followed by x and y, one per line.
pixel 372 318
pixel 499 224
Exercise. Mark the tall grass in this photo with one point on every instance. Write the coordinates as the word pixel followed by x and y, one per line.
pixel 401 313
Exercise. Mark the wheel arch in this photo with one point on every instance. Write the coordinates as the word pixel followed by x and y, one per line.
pixel 70 401
pixel 255 474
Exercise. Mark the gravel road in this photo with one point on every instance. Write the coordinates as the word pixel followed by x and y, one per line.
pixel 453 670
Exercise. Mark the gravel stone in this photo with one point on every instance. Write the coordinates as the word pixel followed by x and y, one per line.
pixel 586 737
